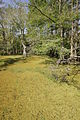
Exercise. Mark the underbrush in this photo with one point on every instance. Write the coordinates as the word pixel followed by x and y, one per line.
pixel 69 74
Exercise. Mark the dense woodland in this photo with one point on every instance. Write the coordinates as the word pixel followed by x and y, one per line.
pixel 42 27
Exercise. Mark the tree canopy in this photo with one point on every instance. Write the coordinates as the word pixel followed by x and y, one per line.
pixel 46 27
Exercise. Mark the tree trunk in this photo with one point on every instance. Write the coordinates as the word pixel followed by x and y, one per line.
pixel 72 34
pixel 24 50
pixel 7 51
pixel 61 31
pixel 60 6
pixel 23 35
pixel 4 39
pixel 72 52
pixel 20 51
pixel 75 53
pixel 77 12
pixel 24 47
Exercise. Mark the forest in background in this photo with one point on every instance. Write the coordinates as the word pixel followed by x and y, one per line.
pixel 40 60
pixel 43 27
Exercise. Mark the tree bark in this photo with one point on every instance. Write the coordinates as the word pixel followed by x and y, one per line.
pixel 77 12
pixel 61 31
pixel 72 48
pixel 24 50
pixel 72 34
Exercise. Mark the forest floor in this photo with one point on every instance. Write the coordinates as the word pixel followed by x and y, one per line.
pixel 36 89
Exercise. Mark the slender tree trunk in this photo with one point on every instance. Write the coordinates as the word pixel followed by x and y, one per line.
pixel 75 49
pixel 61 27
pixel 60 11
pixel 61 31
pixel 24 50
pixel 4 39
pixel 24 47
pixel 23 35
pixel 60 6
pixel 20 49
pixel 7 51
pixel 72 34
pixel 72 48
pixel 16 50
pixel 13 49
pixel 77 12
pixel 4 42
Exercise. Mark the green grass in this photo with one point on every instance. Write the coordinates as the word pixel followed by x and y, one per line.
pixel 32 89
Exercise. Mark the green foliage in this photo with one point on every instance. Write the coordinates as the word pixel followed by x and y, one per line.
pixel 13 23
pixel 51 47
pixel 48 24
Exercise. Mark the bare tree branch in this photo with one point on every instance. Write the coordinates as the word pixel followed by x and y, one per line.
pixel 41 12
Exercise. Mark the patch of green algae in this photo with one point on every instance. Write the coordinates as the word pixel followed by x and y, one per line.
pixel 27 93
